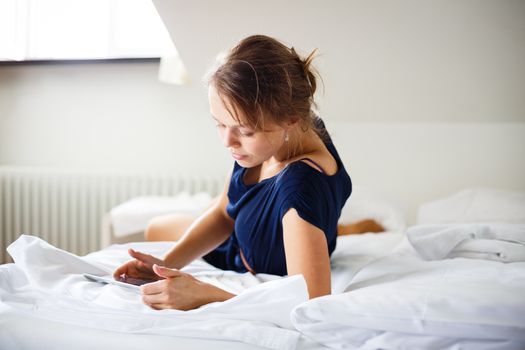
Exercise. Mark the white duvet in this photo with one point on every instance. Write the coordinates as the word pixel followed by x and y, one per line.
pixel 47 282
pixel 394 299
pixel 444 304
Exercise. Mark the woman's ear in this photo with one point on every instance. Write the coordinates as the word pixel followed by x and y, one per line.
pixel 292 122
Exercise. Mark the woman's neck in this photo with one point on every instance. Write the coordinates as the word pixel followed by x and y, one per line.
pixel 300 144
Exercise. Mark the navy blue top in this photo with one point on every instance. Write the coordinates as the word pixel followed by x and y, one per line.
pixel 258 210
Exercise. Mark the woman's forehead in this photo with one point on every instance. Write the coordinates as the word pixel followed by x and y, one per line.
pixel 225 112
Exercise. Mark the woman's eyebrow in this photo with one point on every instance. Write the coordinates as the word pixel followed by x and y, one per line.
pixel 235 126
pixel 217 120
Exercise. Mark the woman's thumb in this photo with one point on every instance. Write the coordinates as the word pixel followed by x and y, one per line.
pixel 165 272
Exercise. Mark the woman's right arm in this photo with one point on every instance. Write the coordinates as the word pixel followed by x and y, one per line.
pixel 206 233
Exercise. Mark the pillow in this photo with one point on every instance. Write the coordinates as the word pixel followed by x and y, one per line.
pixel 365 204
pixel 475 205
pixel 133 216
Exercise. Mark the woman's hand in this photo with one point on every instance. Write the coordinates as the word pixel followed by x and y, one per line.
pixel 141 267
pixel 179 290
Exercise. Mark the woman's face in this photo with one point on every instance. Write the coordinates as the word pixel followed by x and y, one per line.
pixel 247 146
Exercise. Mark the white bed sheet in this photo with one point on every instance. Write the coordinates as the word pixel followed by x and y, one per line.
pixel 402 299
pixel 352 253
pixel 381 268
pixel 23 332
pixel 48 283
pixel 20 332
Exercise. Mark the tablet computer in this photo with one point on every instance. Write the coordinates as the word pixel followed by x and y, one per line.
pixel 127 282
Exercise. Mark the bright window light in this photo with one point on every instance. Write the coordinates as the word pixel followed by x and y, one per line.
pixel 81 29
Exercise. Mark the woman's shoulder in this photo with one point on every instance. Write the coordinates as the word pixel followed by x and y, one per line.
pixel 322 161
pixel 312 175
pixel 299 176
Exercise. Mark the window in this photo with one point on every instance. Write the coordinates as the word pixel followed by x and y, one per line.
pixel 81 29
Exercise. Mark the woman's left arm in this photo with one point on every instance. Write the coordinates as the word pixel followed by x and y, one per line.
pixel 179 290
pixel 307 253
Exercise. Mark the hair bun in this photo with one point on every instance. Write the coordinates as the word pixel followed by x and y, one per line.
pixel 263 79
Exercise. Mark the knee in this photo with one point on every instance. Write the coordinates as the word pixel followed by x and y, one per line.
pixel 155 230
pixel 168 227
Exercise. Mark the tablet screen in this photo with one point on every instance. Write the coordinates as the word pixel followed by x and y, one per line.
pixel 109 280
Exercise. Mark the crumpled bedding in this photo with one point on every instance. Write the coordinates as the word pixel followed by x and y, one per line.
pixel 401 301
pixel 47 282
pixel 384 296
pixel 489 241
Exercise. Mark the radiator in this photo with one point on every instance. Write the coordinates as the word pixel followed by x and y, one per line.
pixel 66 208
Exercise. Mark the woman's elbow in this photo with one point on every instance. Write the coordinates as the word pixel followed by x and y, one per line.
pixel 318 292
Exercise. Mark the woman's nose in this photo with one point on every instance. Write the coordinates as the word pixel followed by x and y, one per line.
pixel 229 139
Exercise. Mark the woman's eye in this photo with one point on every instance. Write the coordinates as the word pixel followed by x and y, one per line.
pixel 220 126
pixel 246 133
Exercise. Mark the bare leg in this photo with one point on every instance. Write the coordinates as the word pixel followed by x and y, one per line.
pixel 363 226
pixel 169 227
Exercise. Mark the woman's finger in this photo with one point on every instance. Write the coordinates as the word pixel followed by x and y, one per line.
pixel 165 272
pixel 153 288
pixel 139 256
pixel 142 266
pixel 160 306
pixel 147 259
pixel 135 268
pixel 154 298
pixel 121 270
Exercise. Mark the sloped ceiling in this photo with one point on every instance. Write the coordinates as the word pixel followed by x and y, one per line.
pixel 388 61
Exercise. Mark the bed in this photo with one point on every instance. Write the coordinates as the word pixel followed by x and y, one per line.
pixel 449 282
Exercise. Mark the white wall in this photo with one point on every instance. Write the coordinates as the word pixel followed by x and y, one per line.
pixel 412 163
pixel 423 98
pixel 104 116
pixel 402 60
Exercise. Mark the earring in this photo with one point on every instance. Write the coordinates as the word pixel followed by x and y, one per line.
pixel 286 136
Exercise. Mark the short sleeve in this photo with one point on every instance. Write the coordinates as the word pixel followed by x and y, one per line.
pixel 310 196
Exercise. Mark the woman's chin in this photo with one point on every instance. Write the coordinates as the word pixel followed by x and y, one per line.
pixel 244 163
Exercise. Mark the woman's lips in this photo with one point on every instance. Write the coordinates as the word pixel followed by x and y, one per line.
pixel 238 156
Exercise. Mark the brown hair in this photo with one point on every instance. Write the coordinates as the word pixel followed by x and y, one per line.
pixel 263 79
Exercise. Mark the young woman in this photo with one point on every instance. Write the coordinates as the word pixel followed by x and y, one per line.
pixel 280 205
